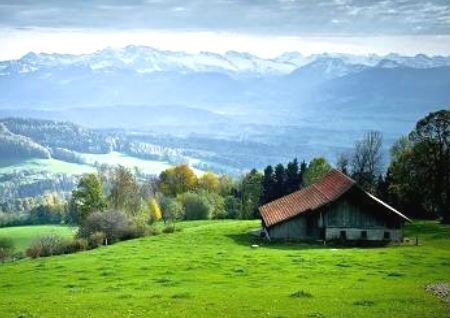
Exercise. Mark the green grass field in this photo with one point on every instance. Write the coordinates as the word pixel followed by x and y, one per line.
pixel 48 165
pixel 209 270
pixel 59 166
pixel 24 235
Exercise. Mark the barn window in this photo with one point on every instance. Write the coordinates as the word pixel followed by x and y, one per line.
pixel 387 235
pixel 364 235
pixel 343 235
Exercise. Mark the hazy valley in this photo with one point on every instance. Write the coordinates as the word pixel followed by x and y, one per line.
pixel 147 108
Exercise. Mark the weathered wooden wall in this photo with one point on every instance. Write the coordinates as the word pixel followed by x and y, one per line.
pixel 346 214
pixel 292 229
pixel 303 227
pixel 356 234
pixel 356 218
pixel 346 217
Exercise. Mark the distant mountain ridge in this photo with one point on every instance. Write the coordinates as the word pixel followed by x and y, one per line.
pixel 140 87
pixel 137 75
pixel 142 59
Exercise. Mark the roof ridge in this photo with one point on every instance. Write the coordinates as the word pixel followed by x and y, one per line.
pixel 341 174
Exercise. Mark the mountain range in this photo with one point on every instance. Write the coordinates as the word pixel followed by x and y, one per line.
pixel 143 87
pixel 143 60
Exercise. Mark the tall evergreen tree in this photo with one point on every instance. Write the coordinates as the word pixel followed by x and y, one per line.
pixel 303 167
pixel 280 181
pixel 382 190
pixel 292 176
pixel 268 185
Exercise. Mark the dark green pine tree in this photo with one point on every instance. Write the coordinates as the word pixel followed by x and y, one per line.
pixel 280 181
pixel 292 177
pixel 303 167
pixel 268 185
pixel 383 190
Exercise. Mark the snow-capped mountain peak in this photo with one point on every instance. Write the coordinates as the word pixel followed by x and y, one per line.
pixel 143 59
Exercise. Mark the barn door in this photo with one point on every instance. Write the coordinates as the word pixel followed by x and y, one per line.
pixel 312 224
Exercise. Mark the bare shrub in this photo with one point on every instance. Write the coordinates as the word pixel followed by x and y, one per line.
pixel 169 228
pixel 113 224
pixel 76 245
pixel 6 248
pixel 96 239
pixel 55 245
pixel 46 246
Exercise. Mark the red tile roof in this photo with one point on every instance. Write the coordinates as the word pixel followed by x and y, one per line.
pixel 328 189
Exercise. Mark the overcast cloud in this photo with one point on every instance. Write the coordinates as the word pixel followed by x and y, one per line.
pixel 286 17
pixel 430 20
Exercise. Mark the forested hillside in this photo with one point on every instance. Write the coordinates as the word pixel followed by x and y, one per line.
pixel 15 146
pixel 56 134
pixel 40 159
pixel 22 140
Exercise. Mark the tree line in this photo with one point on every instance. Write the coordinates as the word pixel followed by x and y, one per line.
pixel 178 193
pixel 416 181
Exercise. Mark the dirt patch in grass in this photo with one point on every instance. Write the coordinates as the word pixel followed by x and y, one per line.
pixel 395 274
pixel 441 290
pixel 166 282
pixel 181 296
pixel 301 294
pixel 316 315
pixel 364 303
pixel 343 265
pixel 70 286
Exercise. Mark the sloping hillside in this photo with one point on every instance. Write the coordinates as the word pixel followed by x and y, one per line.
pixel 14 146
pixel 403 92
pixel 59 134
pixel 209 270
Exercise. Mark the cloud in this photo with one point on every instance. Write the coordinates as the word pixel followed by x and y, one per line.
pixel 282 17
pixel 16 43
pixel 380 26
pixel 178 9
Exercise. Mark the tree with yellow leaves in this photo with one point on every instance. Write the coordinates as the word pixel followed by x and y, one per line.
pixel 155 210
pixel 177 180
pixel 209 182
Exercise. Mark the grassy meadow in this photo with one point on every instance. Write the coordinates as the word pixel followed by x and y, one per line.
pixel 209 269
pixel 59 166
pixel 47 165
pixel 24 235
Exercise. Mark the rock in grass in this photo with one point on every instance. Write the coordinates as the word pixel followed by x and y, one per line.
pixel 441 290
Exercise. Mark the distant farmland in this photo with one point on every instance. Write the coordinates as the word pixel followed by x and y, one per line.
pixel 59 166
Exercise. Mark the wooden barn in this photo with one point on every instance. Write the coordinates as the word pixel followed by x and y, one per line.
pixel 335 208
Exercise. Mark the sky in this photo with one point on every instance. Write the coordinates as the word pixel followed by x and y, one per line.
pixel 262 27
